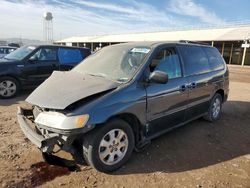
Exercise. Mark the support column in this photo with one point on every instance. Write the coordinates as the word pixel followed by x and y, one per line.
pixel 231 53
pixel 212 43
pixel 92 47
pixel 222 50
pixel 244 56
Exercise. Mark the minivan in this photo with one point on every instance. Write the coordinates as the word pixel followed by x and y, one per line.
pixel 30 65
pixel 123 96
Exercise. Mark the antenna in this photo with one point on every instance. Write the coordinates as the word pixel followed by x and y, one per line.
pixel 48 27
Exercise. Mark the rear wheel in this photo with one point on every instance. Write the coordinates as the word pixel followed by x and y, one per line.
pixel 9 87
pixel 109 147
pixel 214 111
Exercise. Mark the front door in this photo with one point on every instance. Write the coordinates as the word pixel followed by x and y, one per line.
pixel 45 62
pixel 166 103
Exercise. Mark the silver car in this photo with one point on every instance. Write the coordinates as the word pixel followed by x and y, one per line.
pixel 4 50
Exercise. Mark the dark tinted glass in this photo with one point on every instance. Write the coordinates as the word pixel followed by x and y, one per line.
pixel 195 60
pixel 215 59
pixel 69 56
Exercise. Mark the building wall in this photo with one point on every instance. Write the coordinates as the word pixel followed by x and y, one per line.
pixel 231 51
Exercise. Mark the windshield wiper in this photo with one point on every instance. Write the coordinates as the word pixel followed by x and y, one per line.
pixel 122 79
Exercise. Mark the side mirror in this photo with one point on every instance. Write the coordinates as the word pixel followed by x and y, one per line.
pixel 158 77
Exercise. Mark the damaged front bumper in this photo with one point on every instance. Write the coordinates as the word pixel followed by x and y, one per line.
pixel 46 142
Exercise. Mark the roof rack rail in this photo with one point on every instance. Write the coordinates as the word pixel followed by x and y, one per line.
pixel 193 42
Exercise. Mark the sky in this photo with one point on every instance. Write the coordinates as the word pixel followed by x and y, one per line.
pixel 24 18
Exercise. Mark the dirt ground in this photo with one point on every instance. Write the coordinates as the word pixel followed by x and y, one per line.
pixel 200 154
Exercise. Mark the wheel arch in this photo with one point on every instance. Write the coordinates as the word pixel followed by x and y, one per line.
pixel 13 77
pixel 222 93
pixel 133 121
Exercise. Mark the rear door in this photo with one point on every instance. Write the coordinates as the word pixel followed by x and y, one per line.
pixel 69 57
pixel 198 74
pixel 166 103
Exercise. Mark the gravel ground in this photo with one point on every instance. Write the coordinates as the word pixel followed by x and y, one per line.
pixel 200 154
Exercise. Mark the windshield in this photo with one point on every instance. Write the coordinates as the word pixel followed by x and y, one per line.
pixel 118 63
pixel 20 53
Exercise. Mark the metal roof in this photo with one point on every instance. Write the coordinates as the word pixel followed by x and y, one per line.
pixel 214 34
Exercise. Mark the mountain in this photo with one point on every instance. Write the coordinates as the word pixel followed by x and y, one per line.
pixel 22 41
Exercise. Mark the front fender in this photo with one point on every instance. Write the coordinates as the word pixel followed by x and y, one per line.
pixel 101 115
pixel 129 100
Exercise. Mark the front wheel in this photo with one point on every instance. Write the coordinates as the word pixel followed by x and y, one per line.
pixel 109 147
pixel 214 111
pixel 9 87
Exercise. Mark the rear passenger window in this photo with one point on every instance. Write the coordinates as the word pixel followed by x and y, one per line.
pixel 195 60
pixel 69 56
pixel 167 61
pixel 215 59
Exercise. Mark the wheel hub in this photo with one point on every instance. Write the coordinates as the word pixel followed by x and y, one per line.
pixel 113 147
pixel 216 108
pixel 7 88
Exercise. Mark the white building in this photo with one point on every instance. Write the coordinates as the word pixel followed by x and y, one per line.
pixel 228 40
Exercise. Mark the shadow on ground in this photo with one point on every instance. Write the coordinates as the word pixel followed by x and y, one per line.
pixel 21 97
pixel 198 144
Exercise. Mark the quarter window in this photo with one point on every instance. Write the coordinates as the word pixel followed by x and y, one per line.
pixel 215 59
pixel 69 56
pixel 167 61
pixel 195 60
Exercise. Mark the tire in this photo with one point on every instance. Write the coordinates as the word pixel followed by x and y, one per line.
pixel 58 161
pixel 214 111
pixel 9 87
pixel 48 158
pixel 104 150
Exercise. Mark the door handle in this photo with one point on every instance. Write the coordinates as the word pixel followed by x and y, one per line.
pixel 183 88
pixel 192 85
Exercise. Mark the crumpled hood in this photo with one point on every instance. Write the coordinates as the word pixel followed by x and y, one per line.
pixel 64 88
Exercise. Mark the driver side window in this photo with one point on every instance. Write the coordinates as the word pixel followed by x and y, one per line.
pixel 45 54
pixel 167 60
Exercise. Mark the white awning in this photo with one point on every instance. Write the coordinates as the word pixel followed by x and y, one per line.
pixel 214 34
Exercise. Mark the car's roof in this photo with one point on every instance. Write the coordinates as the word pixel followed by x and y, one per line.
pixel 53 45
pixel 144 43
pixel 158 43
pixel 8 47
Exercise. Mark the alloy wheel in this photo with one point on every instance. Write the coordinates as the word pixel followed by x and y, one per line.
pixel 216 107
pixel 7 88
pixel 113 147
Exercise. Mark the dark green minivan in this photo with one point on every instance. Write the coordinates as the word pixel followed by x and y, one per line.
pixel 123 96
